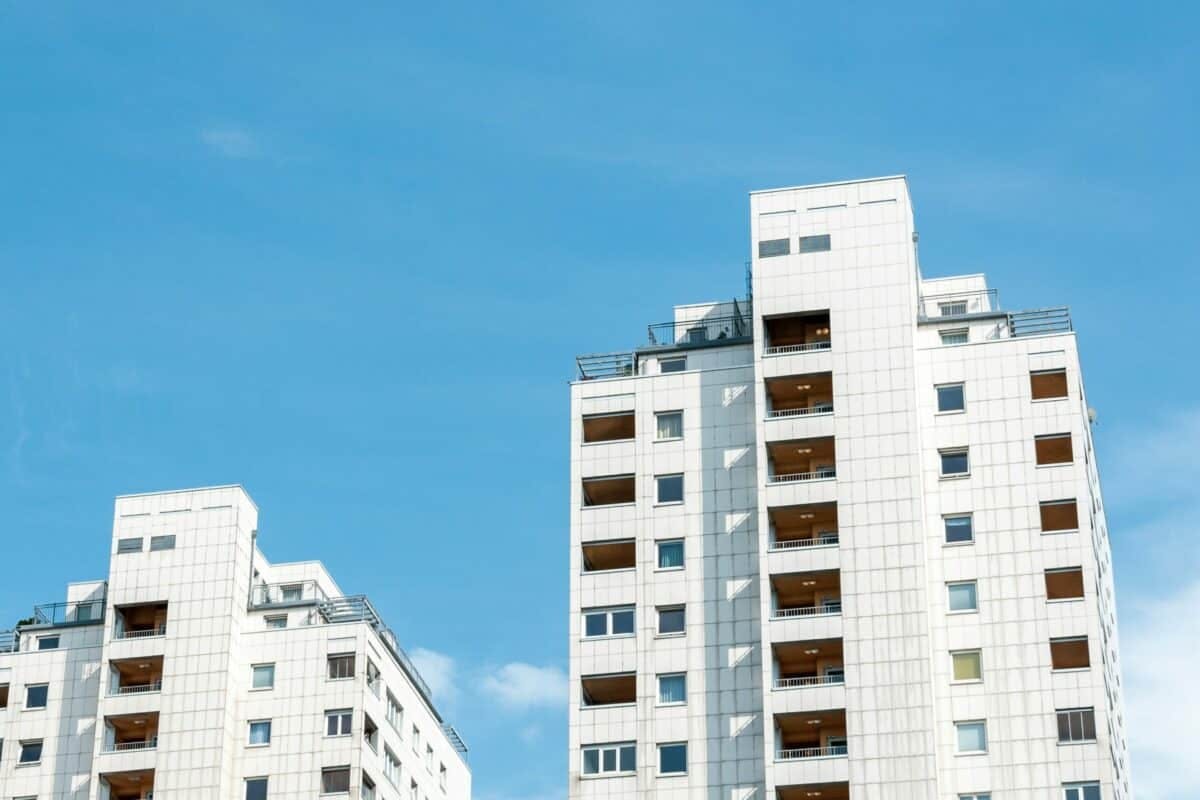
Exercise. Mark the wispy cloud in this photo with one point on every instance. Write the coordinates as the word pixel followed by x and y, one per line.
pixel 231 141
pixel 520 686
pixel 439 671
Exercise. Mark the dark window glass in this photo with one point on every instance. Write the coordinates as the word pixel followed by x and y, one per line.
pixel 670 554
pixel 628 758
pixel 335 780
pixel 31 752
pixel 591 762
pixel 132 545
pixel 35 696
pixel 672 364
pixel 672 759
pixel 814 244
pixel 774 247
pixel 48 643
pixel 256 789
pixel 671 620
pixel 622 621
pixel 610 760
pixel 670 488
pixel 595 624
pixel 955 463
pixel 959 529
pixel 950 398
pixel 167 543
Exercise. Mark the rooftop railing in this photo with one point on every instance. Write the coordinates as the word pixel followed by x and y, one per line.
pixel 829 679
pixel 823 610
pixel 798 753
pixel 456 741
pixel 699 332
pixel 1038 322
pixel 809 411
pixel 286 593
pixel 792 477
pixel 822 540
pixel 82 612
pixel 9 641
pixel 605 365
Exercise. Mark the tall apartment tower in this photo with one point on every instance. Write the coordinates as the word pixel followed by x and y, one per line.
pixel 843 538
pixel 201 671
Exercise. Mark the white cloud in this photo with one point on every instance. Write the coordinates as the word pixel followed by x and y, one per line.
pixel 229 141
pixel 520 686
pixel 439 671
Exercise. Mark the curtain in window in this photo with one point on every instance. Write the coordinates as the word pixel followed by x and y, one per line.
pixel 670 554
pixel 672 690
pixel 670 426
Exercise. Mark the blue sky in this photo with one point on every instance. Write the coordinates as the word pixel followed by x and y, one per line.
pixel 344 255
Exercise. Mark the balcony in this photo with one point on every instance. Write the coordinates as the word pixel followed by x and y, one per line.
pixel 800 460
pixel 129 732
pixel 608 690
pixel 804 665
pixel 984 304
pixel 611 490
pixel 609 556
pixel 814 791
pixel 283 595
pixel 818 734
pixel 796 333
pixel 140 621
pixel 806 594
pixel 617 427
pixel 799 527
pixel 135 675
pixel 56 615
pixel 128 785
pixel 800 395
pixel 721 328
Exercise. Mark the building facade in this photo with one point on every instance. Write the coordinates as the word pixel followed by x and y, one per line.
pixel 843 538
pixel 200 670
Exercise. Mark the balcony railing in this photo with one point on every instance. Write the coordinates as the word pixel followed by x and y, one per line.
pixel 1039 321
pixel 798 753
pixel 793 477
pixel 9 642
pixel 698 332
pixel 823 610
pixel 359 609
pixel 145 633
pixel 138 688
pixel 82 612
pixel 287 593
pixel 805 347
pixel 824 540
pixel 831 679
pixel 605 365
pixel 810 411
pixel 123 747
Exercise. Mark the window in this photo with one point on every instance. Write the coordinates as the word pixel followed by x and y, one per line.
pixel 608 427
pixel 3 695
pixel 374 682
pixel 338 722
pixel 395 712
pixel 955 463
pixel 163 543
pixel 608 621
pixel 768 248
pixel 340 666
pixel 1064 584
pixel 47 642
pixel 672 689
pixel 292 593
pixel 262 676
pixel 977 796
pixel 959 529
pixel 260 732
pixel 416 739
pixel 671 621
pixel 368 788
pixel 672 759
pixel 1081 791
pixel 1076 725
pixel 1069 653
pixel 391 767
pixel 608 690
pixel 36 695
pixel 609 759
pixel 1054 449
pixel 666 365
pixel 276 621
pixel 429 758
pixel 412 790
pixel 1059 515
pixel 952 309
pixel 668 425
pixel 31 752
pixel 442 776
pixel 370 733
pixel 972 736
pixel 967 665
pixel 130 545
pixel 951 397
pixel 256 789
pixel 1050 384
pixel 669 488
pixel 962 596
pixel 670 554
pixel 814 244
pixel 955 336
pixel 335 780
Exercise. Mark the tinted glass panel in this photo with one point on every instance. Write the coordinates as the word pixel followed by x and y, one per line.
pixel 962 596
pixel 622 621
pixel 774 247
pixel 814 244
pixel 35 696
pixel 967 667
pixel 670 554
pixel 672 365
pixel 672 758
pixel 591 762
pixel 256 789
pixel 628 758
pixel 610 760
pixel 959 529
pixel 595 624
pixel 950 398
pixel 670 426
pixel 955 463
pixel 972 737
pixel 671 620
pixel 672 689
pixel 670 489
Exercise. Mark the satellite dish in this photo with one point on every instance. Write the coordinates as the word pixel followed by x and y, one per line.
pixel 1092 416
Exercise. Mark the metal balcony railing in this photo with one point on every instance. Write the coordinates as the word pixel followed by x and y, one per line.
pixel 1039 321
pixel 805 347
pixel 831 679
pixel 810 411
pixel 456 741
pixel 798 753
pixel 698 332
pixel 359 609
pixel 123 747
pixel 823 540
pixel 287 593
pixel 606 365
pixel 144 633
pixel 823 610
pixel 819 475
pixel 82 612
pixel 9 642
pixel 138 688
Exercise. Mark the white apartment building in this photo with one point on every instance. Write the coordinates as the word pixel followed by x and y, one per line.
pixel 843 538
pixel 199 670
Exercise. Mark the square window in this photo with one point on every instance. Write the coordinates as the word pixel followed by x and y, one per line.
pixel 1076 725
pixel 678 364
pixel 951 397
pixel 962 596
pixel 972 737
pixel 1081 791
pixel 967 665
pixel 31 752
pixel 959 529
pixel 671 620
pixel 670 554
pixel 768 248
pixel 340 666
pixel 335 780
pixel 955 336
pixel 954 463
pixel 260 732
pixel 36 695
pixel 256 789
pixel 669 488
pixel 672 759
pixel 672 689
pixel 262 676
pixel 815 244
pixel 338 722
pixel 668 425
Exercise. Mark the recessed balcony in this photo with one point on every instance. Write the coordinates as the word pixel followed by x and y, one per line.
pixel 615 427
pixel 810 735
pixel 804 665
pixel 800 395
pixel 140 621
pixel 608 690
pixel 796 333
pixel 135 675
pixel 610 490
pixel 129 785
pixel 130 732
pixel 815 791
pixel 798 527
pixel 609 556
pixel 801 460
pixel 806 594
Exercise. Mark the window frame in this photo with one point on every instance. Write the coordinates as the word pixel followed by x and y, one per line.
pixel 1072 501
pixel 659 765
pixel 958 727
pixel 608 611
pixel 672 360
pixel 45 698
pixel 1062 571
pixel 325 771
pixel 658 544
pixel 962 393
pixel 254 668
pixel 658 489
pixel 658 683
pixel 162 543
pixel 953 451
pixel 272 620
pixel 950 585
pixel 618 749
pixel 1065 640
pixel 250 732
pixel 954 333
pixel 258 779
pixel 977 652
pixel 816 243
pixel 1078 788
pixel 1034 373
pixel 773 248
pixel 330 658
pixel 52 641
pixel 23 745
pixel 657 433
pixel 341 714
pixel 1082 712
pixel 946 518
pixel 1052 437
pixel 658 619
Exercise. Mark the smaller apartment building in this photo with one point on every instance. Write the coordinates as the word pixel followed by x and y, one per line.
pixel 201 670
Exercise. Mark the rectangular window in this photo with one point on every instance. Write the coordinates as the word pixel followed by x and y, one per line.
pixel 967 665
pixel 951 397
pixel 1069 653
pixel 671 620
pixel 292 593
pixel 815 244
pixel 670 554
pixel 31 752
pixel 672 689
pixel 442 776
pixel 260 732
pixel 962 596
pixel 36 695
pixel 1054 449
pixel 1049 384
pixel 608 621
pixel 608 427
pixel 262 676
pixel 368 788
pixel 395 713
pixel 339 722
pixel 416 739
pixel 162 543
pixel 47 642
pixel 1059 515
pixel 977 796
pixel 955 336
pixel 130 545
pixel 1081 791
pixel 335 780
pixel 1076 725
pixel 972 736
pixel 666 365
pixel 391 767
pixel 669 488
pixel 959 529
pixel 672 759
pixel 609 759
pixel 370 732
pixel 429 758
pixel 954 308
pixel 1064 584
pixel 256 789
pixel 374 681
pixel 3 695
pixel 276 621
pixel 768 248
pixel 955 463
pixel 668 425
pixel 340 666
